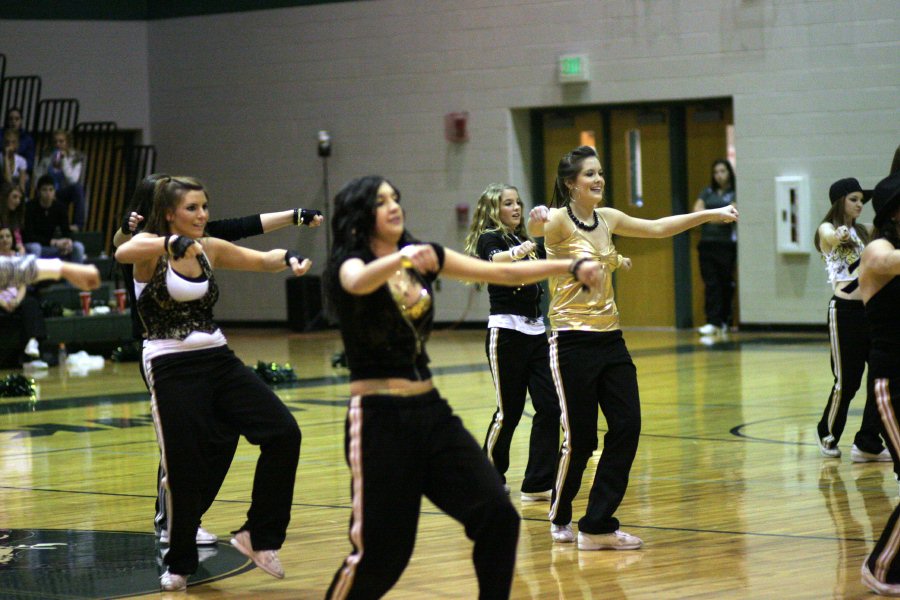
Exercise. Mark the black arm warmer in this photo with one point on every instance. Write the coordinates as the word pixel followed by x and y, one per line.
pixel 232 230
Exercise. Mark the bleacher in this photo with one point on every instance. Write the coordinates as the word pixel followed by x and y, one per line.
pixel 115 163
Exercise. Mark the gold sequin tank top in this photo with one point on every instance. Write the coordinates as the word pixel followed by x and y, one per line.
pixel 572 308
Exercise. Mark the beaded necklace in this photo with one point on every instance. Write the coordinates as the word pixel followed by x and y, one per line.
pixel 578 223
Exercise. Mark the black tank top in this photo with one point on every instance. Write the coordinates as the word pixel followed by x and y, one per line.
pixel 883 314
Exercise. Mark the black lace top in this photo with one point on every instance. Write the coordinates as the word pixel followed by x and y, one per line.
pixel 167 319
pixel 384 333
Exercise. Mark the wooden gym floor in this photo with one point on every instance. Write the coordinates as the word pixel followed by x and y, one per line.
pixel 729 491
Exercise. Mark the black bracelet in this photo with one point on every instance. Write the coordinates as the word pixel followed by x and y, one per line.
pixel 296 216
pixel 166 243
pixel 289 254
pixel 573 269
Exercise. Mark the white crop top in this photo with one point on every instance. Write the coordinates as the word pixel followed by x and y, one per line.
pixel 183 288
pixel 839 260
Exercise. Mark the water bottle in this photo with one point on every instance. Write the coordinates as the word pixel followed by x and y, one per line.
pixel 63 354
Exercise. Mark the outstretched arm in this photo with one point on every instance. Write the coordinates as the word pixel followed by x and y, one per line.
pixel 243 227
pixel 623 224
pixel 359 278
pixel 466 268
pixel 141 247
pixel 23 270
pixel 226 255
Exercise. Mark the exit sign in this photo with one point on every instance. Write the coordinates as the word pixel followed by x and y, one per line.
pixel 573 68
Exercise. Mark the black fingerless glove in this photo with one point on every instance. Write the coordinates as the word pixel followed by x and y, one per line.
pixel 126 226
pixel 289 254
pixel 179 245
pixel 304 216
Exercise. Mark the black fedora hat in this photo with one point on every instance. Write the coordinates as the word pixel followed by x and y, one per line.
pixel 848 185
pixel 886 199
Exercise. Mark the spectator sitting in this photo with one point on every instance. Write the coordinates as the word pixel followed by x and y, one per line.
pixel 66 166
pixel 14 300
pixel 47 228
pixel 13 166
pixel 12 214
pixel 13 122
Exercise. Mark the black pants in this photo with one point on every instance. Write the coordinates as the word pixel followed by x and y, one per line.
pixel 849 335
pixel 520 363
pixel 592 369
pixel 717 261
pixel 190 392
pixel 398 450
pixel 883 561
pixel 225 440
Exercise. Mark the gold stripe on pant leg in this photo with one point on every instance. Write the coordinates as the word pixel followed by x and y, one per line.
pixel 892 430
pixel 355 458
pixel 835 401
pixel 497 423
pixel 165 492
pixel 565 449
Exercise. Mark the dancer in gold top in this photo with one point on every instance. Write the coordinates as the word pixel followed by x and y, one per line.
pixel 590 364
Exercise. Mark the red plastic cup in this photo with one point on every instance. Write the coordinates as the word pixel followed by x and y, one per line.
pixel 120 299
pixel 85 303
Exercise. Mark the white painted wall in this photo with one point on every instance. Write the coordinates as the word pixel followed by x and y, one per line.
pixel 102 64
pixel 237 99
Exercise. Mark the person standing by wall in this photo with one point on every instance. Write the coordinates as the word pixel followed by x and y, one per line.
pixel 718 250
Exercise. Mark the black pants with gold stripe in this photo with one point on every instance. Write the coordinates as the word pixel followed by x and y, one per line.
pixel 849 335
pixel 400 449
pixel 520 363
pixel 190 393
pixel 223 442
pixel 884 562
pixel 594 370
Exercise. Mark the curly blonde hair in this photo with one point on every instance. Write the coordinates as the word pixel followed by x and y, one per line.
pixel 487 217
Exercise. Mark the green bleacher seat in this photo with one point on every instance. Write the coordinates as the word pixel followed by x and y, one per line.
pixel 92 240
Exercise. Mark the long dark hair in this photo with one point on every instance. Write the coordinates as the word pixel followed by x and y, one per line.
pixel 568 169
pixel 142 198
pixel 12 219
pixel 713 184
pixel 352 225
pixel 167 193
